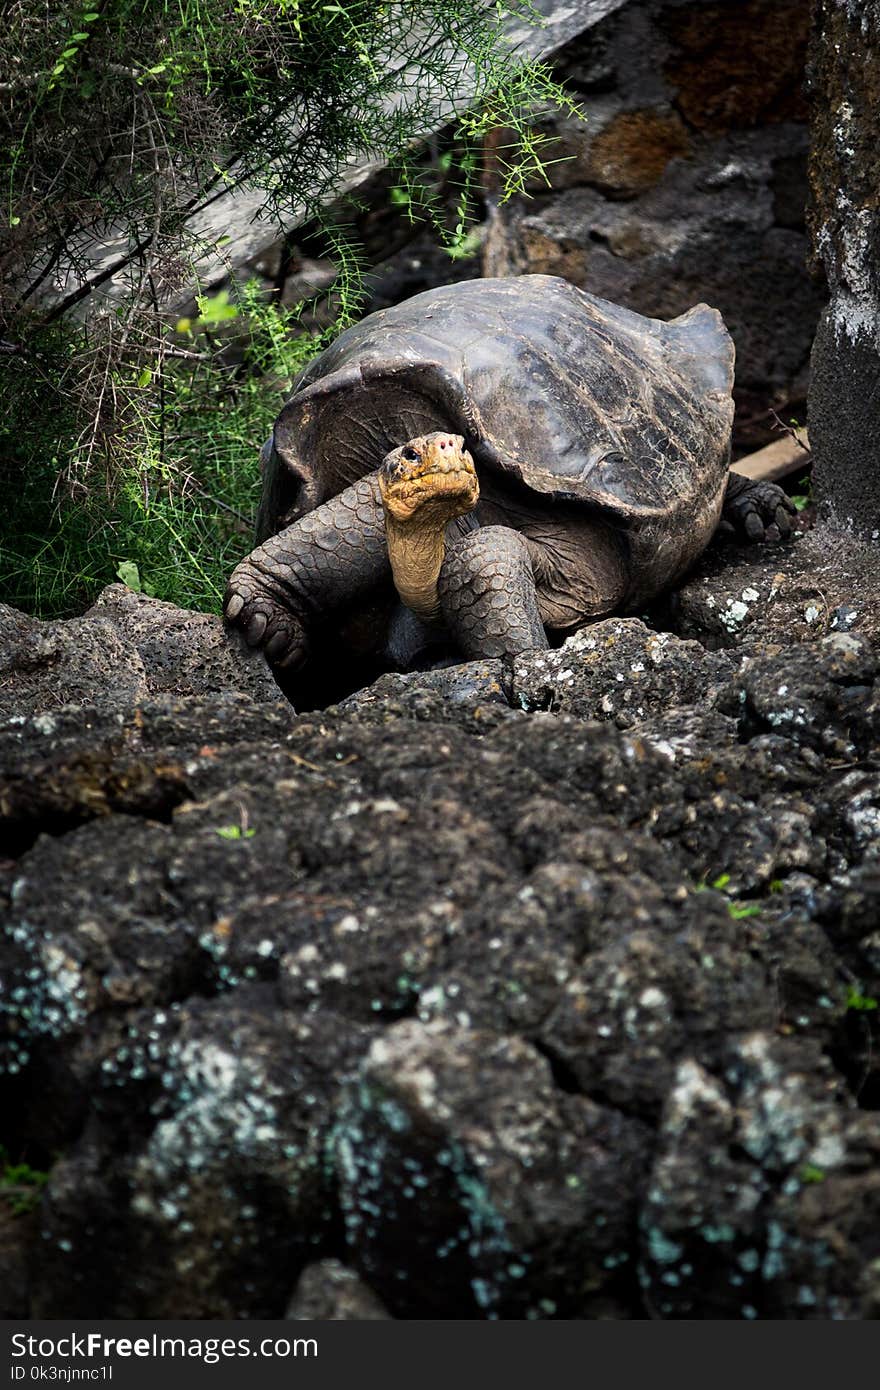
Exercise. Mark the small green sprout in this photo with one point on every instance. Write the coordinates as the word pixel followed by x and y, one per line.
pixel 719 884
pixel 234 832
pixel 804 495
pixel 737 910
pixel 860 1003
pixel 20 1185
pixel 215 308
pixel 810 1173
pixel 740 910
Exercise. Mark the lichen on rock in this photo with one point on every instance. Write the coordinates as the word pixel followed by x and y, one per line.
pixel 509 990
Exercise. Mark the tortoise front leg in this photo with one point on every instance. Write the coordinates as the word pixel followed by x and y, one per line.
pixel 328 558
pixel 488 596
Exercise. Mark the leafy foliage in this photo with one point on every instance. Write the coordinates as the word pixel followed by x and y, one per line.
pixel 175 522
pixel 810 1173
pixel 127 435
pixel 20 1185
pixel 860 1003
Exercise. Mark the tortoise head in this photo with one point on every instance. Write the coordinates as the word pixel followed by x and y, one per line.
pixel 430 479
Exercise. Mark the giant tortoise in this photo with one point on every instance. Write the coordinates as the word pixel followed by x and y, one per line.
pixel 517 454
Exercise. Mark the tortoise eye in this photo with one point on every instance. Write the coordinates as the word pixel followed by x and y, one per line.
pixel 409 454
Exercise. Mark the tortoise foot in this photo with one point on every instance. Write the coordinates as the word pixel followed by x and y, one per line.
pixel 756 511
pixel 254 605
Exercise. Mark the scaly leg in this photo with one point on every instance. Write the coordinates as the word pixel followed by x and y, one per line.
pixel 330 557
pixel 488 596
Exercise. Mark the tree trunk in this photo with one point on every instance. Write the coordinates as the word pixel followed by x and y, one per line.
pixel 844 402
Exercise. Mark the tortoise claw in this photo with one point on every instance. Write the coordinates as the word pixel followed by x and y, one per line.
pixel 756 511
pixel 753 525
pixel 254 606
pixel 276 647
pixel 782 518
pixel 255 630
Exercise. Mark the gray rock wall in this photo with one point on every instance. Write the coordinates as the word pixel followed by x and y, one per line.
pixel 845 176
pixel 687 182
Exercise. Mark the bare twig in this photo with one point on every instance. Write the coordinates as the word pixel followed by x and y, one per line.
pixel 215 501
pixel 786 455
pixel 796 432
pixel 33 79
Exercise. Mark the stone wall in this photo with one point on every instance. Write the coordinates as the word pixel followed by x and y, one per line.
pixel 686 182
pixel 845 178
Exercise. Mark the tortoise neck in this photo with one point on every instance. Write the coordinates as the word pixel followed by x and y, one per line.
pixel 416 550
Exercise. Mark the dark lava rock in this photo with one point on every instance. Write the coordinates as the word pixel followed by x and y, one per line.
pixel 471 693
pixel 824 581
pixel 618 670
pixel 220 1186
pixel 47 665
pixel 433 1005
pixel 471 1186
pixel 820 694
pixel 849 912
pixel 126 648
pixel 781 1220
pixel 60 769
pixel 184 653
pixel 19 1226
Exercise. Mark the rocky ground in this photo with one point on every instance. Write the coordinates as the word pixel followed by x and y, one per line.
pixel 529 989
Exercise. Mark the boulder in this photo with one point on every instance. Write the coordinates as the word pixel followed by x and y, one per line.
pixel 126 648
pixel 329 1291
pixel 184 653
pixel 686 182
pixel 618 670
pixel 777 1222
pixel 845 224
pixel 471 1186
pixel 823 582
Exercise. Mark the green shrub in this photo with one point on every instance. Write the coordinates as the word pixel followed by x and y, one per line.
pixel 177 516
pixel 21 1186
pixel 128 446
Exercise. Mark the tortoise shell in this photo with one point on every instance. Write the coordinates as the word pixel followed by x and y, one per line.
pixel 565 394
